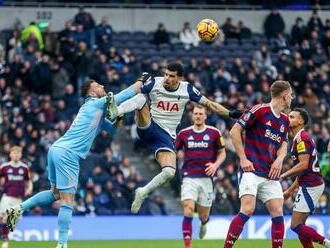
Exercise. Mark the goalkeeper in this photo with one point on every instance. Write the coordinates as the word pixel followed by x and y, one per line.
pixel 64 155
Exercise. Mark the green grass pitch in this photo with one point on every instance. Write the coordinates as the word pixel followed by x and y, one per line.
pixel 155 244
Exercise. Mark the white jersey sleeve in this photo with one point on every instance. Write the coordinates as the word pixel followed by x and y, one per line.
pixel 148 86
pixel 194 94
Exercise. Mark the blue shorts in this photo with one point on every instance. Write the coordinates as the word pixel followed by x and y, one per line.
pixel 63 169
pixel 157 138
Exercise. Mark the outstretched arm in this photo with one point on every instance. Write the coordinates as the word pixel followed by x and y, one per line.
pixel 196 96
pixel 215 107
pixel 132 90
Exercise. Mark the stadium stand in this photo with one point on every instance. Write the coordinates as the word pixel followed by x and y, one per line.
pixel 39 97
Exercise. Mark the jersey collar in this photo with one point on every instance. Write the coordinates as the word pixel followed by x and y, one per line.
pixel 199 131
pixel 276 115
pixel 298 134
pixel 89 98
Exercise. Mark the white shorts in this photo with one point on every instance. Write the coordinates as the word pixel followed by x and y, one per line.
pixel 307 198
pixel 262 188
pixel 200 190
pixel 7 202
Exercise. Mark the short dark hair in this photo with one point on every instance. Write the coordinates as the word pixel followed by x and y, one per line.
pixel 85 87
pixel 304 115
pixel 278 87
pixel 177 67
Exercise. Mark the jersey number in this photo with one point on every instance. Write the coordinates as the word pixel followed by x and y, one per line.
pixel 315 165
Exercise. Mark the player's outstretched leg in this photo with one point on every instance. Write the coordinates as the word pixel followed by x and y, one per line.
pixel 141 193
pixel 167 161
pixel 135 103
pixel 127 95
pixel 43 198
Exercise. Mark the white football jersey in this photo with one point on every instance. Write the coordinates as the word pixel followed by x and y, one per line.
pixel 167 107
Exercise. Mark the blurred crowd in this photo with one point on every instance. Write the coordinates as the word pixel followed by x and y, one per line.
pixel 41 71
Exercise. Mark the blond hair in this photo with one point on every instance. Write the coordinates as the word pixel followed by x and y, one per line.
pixel 16 148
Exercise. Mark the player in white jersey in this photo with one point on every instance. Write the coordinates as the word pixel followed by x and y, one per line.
pixel 157 125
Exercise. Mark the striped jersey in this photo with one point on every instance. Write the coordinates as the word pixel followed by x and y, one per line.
pixel 200 147
pixel 14 176
pixel 303 143
pixel 264 134
pixel 167 107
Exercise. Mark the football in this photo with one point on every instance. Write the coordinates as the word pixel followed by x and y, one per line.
pixel 208 30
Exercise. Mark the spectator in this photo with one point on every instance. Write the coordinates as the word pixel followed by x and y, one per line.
pixel 70 99
pixel 31 34
pixel 280 43
pixel 262 58
pixel 85 19
pixel 242 31
pixel 157 205
pixel 161 36
pixel 188 37
pixel 60 79
pixel 315 22
pixel 82 63
pixel 103 34
pixel 81 35
pixel 274 24
pixel 14 46
pixel 229 28
pixel 298 31
pixel 42 76
pixel 34 113
pixel 101 201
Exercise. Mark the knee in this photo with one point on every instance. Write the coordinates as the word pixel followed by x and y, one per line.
pixel 204 218
pixel 247 210
pixel 295 227
pixel 188 210
pixel 67 198
pixel 169 172
pixel 55 192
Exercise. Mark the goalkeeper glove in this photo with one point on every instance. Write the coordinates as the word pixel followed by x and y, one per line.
pixel 145 77
pixel 235 113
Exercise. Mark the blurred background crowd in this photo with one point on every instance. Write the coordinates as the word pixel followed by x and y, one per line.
pixel 41 72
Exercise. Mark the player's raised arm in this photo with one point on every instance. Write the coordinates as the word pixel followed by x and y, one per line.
pixel 196 96
pixel 220 109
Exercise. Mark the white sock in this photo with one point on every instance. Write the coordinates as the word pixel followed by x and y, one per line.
pixel 326 243
pixel 136 102
pixel 165 175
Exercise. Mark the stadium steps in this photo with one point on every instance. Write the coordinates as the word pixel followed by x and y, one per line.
pixel 148 168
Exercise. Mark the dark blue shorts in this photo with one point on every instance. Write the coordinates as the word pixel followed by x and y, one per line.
pixel 157 138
